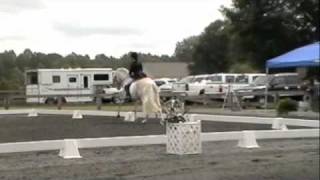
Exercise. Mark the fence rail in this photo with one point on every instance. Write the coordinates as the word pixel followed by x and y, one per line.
pixel 9 96
pixel 151 140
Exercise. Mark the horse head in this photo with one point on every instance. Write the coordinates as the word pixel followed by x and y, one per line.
pixel 119 77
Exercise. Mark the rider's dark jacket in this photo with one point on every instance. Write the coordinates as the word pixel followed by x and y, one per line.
pixel 136 70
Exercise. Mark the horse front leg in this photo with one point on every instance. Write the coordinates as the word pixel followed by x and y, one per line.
pixel 119 109
pixel 146 115
pixel 161 118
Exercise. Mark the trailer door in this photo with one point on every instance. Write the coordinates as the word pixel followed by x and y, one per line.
pixel 32 86
pixel 85 81
pixel 86 87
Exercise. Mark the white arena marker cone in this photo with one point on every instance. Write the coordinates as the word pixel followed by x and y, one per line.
pixel 33 113
pixel 77 115
pixel 283 127
pixel 279 124
pixel 129 117
pixel 70 149
pixel 248 140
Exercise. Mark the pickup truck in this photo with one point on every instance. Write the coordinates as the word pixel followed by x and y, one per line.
pixel 282 85
pixel 182 85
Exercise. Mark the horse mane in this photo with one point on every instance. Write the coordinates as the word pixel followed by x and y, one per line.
pixel 123 70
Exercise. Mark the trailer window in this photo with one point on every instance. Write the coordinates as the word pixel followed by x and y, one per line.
pixel 56 79
pixel 72 79
pixel 101 77
pixel 32 78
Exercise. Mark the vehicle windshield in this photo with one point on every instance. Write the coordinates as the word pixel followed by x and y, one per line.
pixel 186 80
pixel 159 83
pixel 242 79
pixel 214 79
pixel 262 80
pixel 198 79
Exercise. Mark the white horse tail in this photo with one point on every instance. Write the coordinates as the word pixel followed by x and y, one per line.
pixel 151 99
pixel 157 96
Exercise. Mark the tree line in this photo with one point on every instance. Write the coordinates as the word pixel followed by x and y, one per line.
pixel 13 66
pixel 251 32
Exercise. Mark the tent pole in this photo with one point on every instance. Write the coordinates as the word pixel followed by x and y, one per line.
pixel 266 91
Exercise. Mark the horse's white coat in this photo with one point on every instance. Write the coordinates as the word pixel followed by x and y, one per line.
pixel 148 93
pixel 144 90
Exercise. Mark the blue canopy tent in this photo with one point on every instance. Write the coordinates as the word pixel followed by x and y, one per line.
pixel 306 56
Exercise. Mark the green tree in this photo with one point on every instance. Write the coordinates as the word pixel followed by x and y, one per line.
pixel 210 54
pixel 184 50
pixel 262 29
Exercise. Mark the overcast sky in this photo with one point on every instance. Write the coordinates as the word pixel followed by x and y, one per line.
pixel 113 27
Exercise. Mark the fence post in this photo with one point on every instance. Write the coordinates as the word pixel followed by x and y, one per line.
pixel 59 103
pixel 98 101
pixel 6 102
pixel 276 99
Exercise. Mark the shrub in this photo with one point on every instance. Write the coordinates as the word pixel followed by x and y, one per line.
pixel 286 105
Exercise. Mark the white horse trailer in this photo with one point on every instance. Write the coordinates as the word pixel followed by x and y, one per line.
pixel 73 85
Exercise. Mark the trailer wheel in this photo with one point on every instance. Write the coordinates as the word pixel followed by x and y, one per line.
pixel 64 100
pixel 50 101
pixel 116 100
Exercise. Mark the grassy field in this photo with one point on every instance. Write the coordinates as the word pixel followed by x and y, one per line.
pixel 104 107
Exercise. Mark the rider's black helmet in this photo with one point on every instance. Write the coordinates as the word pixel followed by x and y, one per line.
pixel 134 55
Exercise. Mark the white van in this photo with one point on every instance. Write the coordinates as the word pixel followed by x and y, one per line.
pixel 48 84
pixel 181 85
pixel 165 84
pixel 196 86
pixel 245 79
pixel 222 82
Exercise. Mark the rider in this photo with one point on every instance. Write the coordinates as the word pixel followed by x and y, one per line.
pixel 135 71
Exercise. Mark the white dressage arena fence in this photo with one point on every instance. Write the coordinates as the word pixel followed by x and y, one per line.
pixel 181 138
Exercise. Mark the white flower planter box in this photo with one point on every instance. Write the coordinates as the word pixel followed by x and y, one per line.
pixel 184 138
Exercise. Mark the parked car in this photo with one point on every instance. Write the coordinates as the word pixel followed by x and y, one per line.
pixel 181 85
pixel 165 84
pixel 244 80
pixel 110 94
pixel 196 86
pixel 222 82
pixel 287 84
pixel 219 83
